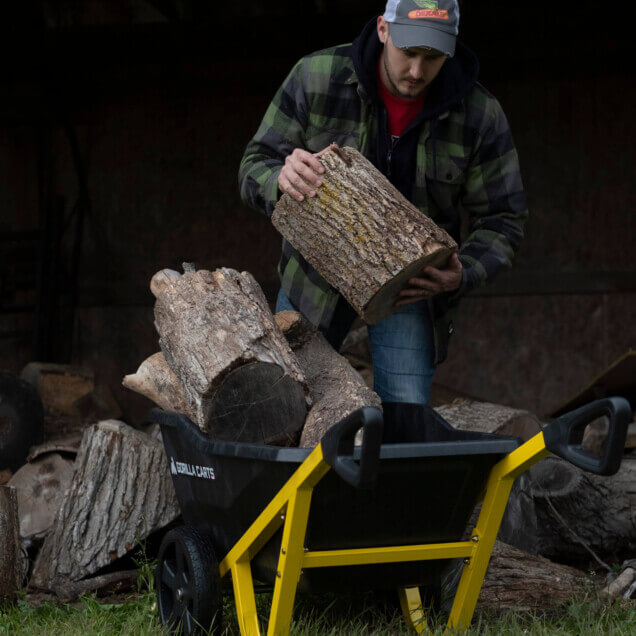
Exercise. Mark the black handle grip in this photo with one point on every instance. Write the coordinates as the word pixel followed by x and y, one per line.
pixel 563 437
pixel 337 446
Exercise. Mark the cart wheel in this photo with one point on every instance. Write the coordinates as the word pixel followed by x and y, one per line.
pixel 187 583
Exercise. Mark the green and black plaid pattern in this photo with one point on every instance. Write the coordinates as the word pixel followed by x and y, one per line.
pixel 466 175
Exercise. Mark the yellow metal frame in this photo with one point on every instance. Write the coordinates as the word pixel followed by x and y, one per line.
pixel 290 509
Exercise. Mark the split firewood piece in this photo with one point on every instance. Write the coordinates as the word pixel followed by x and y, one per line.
pixel 336 388
pixel 59 385
pixel 41 485
pixel 620 584
pixel 239 377
pixel 361 234
pixel 516 580
pixel 155 380
pixel 565 513
pixel 485 417
pixel 110 582
pixel 11 562
pixel 121 492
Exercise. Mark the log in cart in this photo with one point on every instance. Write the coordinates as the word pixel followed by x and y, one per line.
pixel 390 513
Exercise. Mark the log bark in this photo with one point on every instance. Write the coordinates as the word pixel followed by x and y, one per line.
pixel 41 485
pixel 485 417
pixel 562 512
pixel 219 337
pixel 155 380
pixel 361 234
pixel 11 562
pixel 121 491
pixel 59 385
pixel 516 580
pixel 336 388
pixel 113 581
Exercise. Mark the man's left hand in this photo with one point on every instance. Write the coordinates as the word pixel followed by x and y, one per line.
pixel 432 282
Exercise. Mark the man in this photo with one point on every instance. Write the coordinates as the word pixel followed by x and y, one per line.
pixel 405 94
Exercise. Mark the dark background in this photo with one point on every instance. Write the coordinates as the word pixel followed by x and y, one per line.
pixel 122 124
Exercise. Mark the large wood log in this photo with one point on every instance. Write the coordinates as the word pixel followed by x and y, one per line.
pixel 11 562
pixel 562 512
pixel 516 580
pixel 485 417
pixel 336 388
pixel 121 492
pixel 361 234
pixel 238 374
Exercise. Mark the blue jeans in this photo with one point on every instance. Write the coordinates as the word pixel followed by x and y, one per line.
pixel 401 345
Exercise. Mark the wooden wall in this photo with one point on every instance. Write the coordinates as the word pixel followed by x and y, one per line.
pixel 162 112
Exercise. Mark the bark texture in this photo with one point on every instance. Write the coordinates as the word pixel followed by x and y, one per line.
pixel 155 380
pixel 555 506
pixel 11 563
pixel 361 234
pixel 336 388
pixel 213 323
pixel 121 491
pixel 520 581
pixel 485 417
pixel 41 485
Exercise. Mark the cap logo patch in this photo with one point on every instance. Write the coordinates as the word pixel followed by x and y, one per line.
pixel 427 4
pixel 429 14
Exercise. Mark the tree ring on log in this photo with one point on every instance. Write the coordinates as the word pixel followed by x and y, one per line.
pixel 381 305
pixel 257 403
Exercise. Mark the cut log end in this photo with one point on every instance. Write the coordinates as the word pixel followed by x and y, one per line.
pixel 382 304
pixel 257 403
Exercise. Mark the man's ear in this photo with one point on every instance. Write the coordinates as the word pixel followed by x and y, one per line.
pixel 383 29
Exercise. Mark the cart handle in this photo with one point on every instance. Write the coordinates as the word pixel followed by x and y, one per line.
pixel 337 446
pixel 564 435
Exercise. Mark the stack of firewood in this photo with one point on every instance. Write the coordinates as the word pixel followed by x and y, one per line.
pixel 242 374
pixel 239 372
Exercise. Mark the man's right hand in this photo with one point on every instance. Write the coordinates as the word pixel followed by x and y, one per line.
pixel 300 175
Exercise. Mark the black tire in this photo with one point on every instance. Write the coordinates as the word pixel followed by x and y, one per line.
pixel 187 584
pixel 21 420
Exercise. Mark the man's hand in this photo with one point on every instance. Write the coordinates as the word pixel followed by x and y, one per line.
pixel 434 281
pixel 300 175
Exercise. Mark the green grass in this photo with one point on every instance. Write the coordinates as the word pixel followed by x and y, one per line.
pixel 136 615
pixel 314 616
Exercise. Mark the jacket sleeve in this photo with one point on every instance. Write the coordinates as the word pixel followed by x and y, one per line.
pixel 281 131
pixel 495 202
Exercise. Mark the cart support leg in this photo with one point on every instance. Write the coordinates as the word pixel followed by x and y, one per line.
pixel 498 489
pixel 244 598
pixel 411 604
pixel 290 561
pixel 475 569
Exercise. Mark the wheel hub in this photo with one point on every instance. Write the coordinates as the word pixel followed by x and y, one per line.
pixel 179 593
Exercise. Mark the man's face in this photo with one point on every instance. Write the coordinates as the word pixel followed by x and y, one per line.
pixel 407 72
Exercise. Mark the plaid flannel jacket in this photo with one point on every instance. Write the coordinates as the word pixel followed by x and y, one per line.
pixel 466 176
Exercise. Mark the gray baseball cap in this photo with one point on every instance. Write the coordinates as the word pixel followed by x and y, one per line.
pixel 430 23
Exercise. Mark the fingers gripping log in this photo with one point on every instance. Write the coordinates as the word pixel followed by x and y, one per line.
pixel 361 234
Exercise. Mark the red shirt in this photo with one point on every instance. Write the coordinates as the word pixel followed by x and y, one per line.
pixel 400 112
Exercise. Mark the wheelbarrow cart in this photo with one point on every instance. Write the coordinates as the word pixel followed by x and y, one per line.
pixel 390 513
